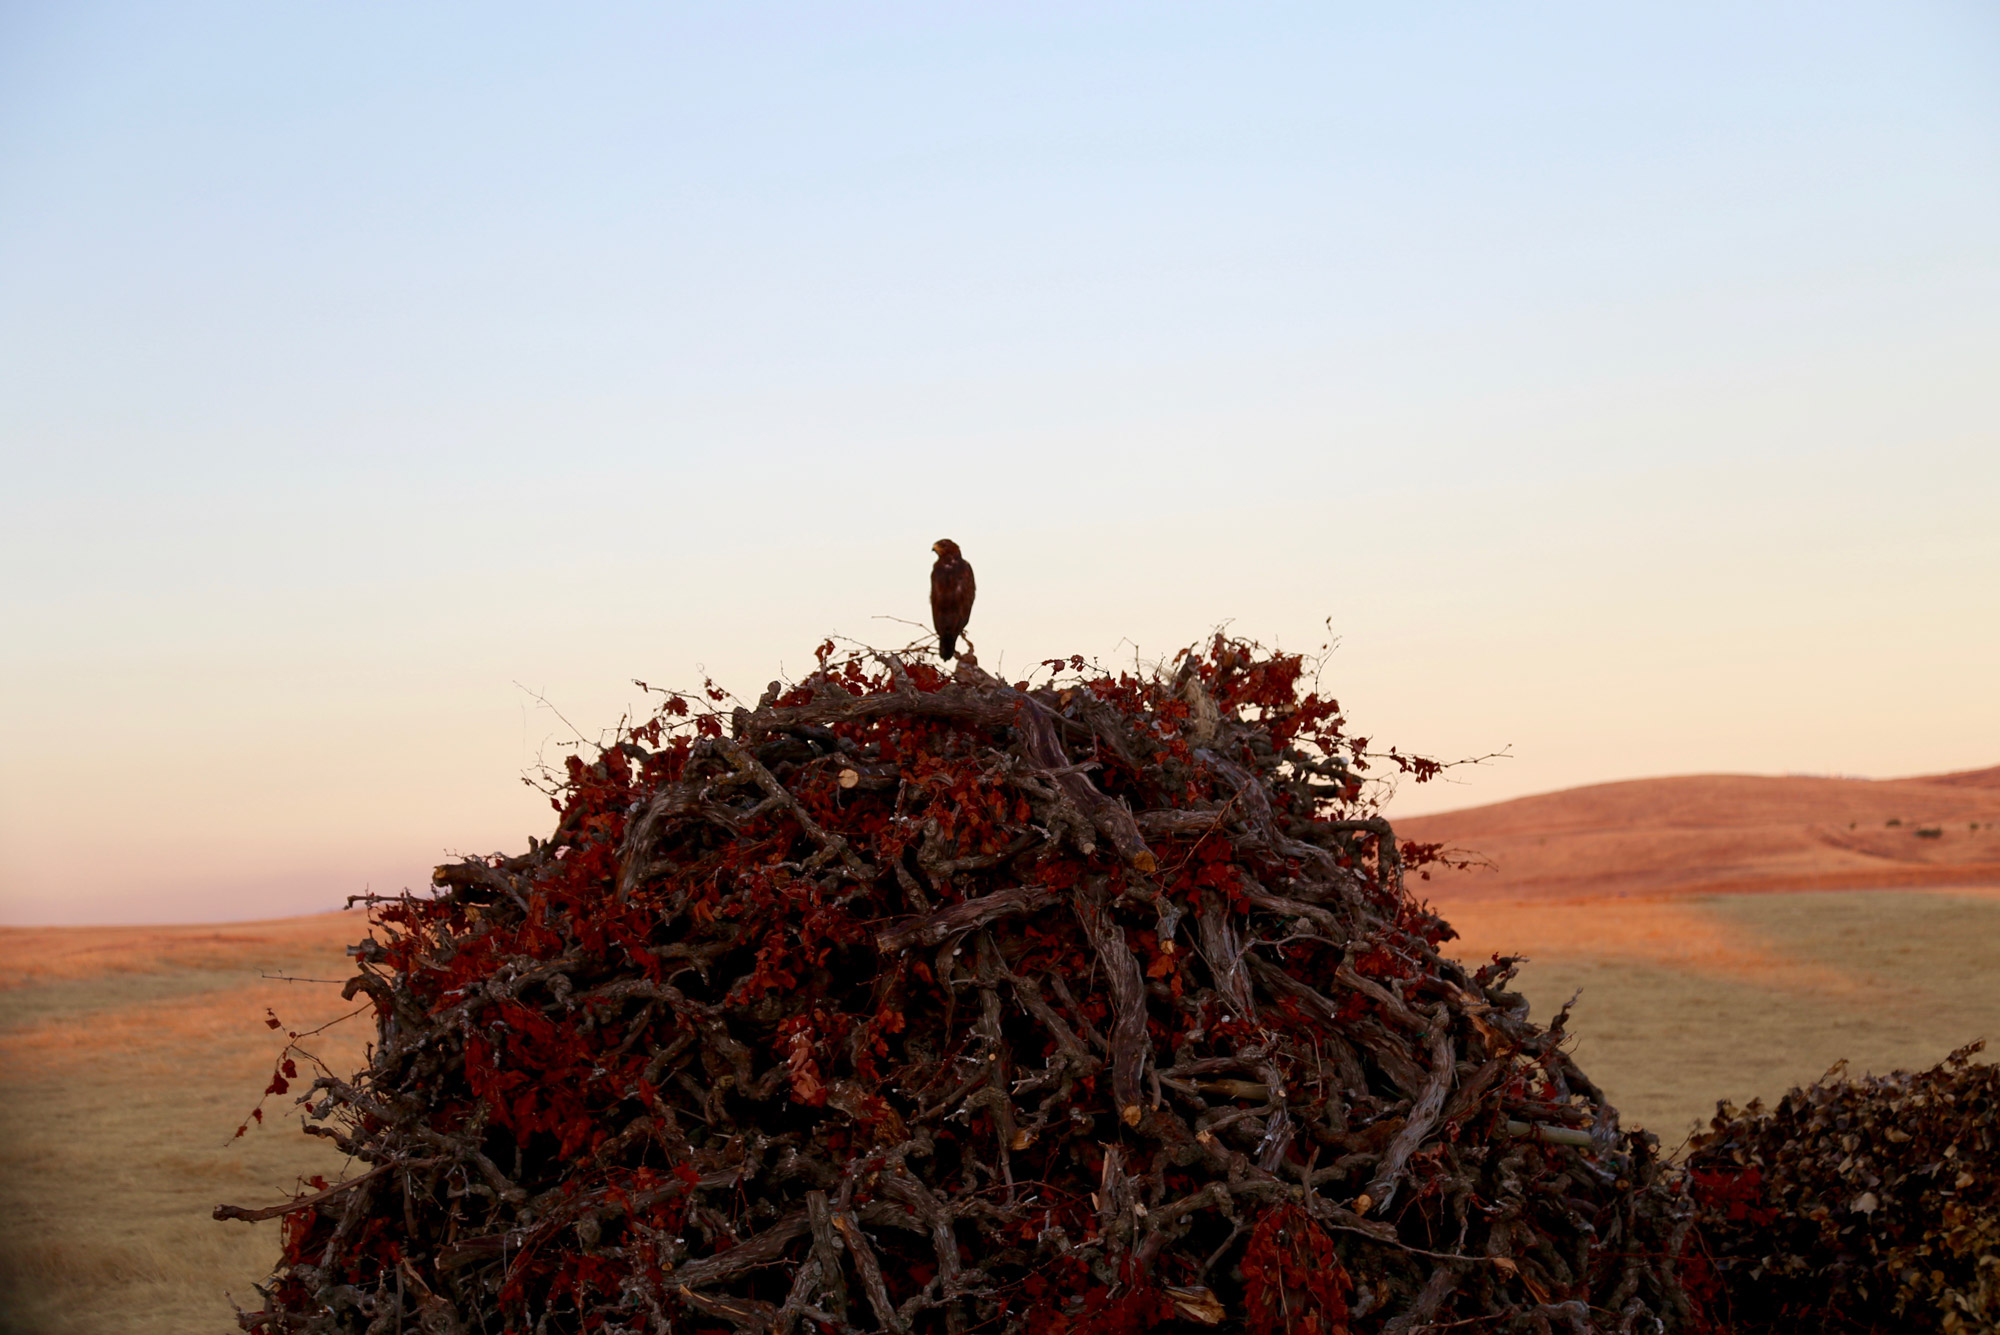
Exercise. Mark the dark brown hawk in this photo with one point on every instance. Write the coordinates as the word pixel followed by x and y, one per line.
pixel 951 596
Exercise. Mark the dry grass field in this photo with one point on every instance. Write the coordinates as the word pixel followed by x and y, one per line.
pixel 1860 921
pixel 1686 1001
pixel 129 1055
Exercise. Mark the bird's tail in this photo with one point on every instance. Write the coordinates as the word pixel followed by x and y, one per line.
pixel 948 647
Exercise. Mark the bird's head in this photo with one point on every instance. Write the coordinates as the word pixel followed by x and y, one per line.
pixel 946 548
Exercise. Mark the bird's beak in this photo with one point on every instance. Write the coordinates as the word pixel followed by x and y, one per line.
pixel 935 546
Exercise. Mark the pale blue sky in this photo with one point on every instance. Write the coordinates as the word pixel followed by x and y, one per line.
pixel 1620 382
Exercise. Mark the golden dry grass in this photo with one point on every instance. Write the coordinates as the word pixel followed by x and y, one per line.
pixel 1686 1001
pixel 128 1056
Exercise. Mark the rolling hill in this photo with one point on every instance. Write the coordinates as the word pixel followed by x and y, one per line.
pixel 1708 833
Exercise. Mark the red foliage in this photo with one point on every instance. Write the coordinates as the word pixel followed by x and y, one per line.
pixel 1292 1279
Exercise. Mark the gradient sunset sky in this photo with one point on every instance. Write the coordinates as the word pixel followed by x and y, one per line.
pixel 1618 384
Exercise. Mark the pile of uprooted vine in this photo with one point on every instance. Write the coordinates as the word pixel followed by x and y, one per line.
pixel 907 1002
pixel 1862 1205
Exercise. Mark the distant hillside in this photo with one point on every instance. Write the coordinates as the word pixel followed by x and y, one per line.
pixel 1724 832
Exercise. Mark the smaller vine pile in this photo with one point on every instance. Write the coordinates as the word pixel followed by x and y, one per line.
pixel 1856 1205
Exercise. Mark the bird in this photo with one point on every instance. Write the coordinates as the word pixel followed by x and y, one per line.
pixel 951 596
